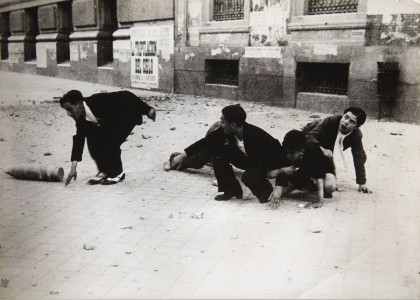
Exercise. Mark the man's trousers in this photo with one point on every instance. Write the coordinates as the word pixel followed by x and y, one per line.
pixel 254 177
pixel 104 143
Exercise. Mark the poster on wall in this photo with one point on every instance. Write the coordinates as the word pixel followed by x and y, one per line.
pixel 148 44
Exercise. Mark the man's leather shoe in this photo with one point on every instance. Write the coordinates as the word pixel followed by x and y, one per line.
pixel 98 179
pixel 328 195
pixel 226 196
pixel 115 180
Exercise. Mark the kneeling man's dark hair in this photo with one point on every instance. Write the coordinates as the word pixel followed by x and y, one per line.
pixel 73 97
pixel 359 113
pixel 234 113
pixel 294 140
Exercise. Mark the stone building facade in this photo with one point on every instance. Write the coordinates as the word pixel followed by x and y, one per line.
pixel 310 54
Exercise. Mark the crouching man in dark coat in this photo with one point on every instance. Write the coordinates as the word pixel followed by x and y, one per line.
pixel 334 135
pixel 242 145
pixel 105 120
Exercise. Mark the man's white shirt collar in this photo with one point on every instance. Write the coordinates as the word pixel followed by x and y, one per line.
pixel 89 115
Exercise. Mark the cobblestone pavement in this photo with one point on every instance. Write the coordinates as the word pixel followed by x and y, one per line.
pixel 161 235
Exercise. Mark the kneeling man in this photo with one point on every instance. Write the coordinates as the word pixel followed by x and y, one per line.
pixel 243 145
pixel 334 135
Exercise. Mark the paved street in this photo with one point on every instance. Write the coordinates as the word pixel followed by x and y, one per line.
pixel 161 235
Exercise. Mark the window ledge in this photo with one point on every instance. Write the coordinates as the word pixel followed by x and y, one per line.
pixel 323 95
pixel 108 66
pixel 64 64
pixel 225 27
pixel 222 85
pixel 329 21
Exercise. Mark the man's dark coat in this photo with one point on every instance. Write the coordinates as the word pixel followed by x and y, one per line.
pixel 324 133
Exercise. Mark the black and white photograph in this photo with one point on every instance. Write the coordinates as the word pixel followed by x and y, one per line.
pixel 209 149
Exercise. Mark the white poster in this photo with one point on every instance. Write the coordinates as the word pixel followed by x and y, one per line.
pixel 122 51
pixel 41 55
pixel 43 50
pixel 15 52
pixel 263 52
pixel 74 52
pixel 148 43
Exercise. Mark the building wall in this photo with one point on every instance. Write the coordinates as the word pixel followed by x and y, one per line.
pixel 363 41
pixel 95 40
pixel 87 40
pixel 257 42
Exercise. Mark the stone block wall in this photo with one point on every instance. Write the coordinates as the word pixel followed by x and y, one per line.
pixel 93 40
pixel 253 41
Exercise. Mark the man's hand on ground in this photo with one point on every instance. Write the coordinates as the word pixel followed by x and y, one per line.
pixel 275 197
pixel 152 114
pixel 177 161
pixel 72 173
pixel 364 189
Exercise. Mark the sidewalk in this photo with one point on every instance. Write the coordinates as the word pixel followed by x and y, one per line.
pixel 161 235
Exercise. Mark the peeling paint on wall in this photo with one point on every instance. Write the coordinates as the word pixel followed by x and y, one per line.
pixel 84 51
pixel 188 56
pixel 122 51
pixel 391 29
pixel 221 49
pixel 268 22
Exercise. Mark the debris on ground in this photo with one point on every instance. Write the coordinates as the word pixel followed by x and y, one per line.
pixel 4 283
pixel 88 247
pixel 197 216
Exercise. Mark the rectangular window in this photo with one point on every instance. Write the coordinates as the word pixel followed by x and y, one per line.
pixel 105 48
pixel 228 10
pixel 320 7
pixel 31 24
pixel 327 78
pixel 387 80
pixel 63 51
pixel 219 71
pixel 4 34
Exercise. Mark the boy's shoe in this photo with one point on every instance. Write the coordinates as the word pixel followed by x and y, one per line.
pixel 114 180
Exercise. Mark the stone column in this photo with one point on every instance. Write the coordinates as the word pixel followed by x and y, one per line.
pixel 52 46
pixel 91 43
pixel 24 28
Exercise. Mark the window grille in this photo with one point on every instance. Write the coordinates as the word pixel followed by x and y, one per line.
pixel 222 71
pixel 387 80
pixel 327 78
pixel 320 7
pixel 228 10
